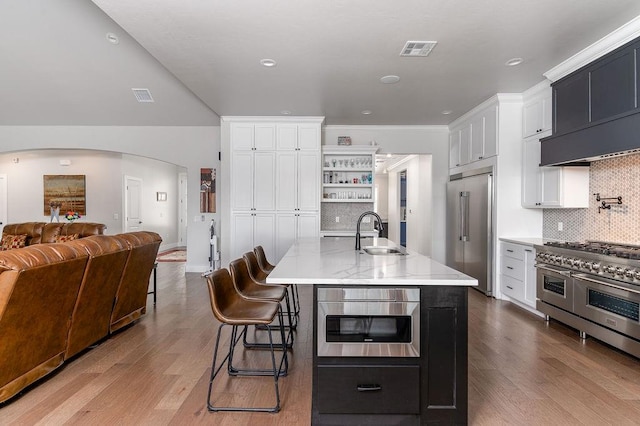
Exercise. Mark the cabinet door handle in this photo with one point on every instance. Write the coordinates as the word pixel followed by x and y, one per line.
pixel 510 251
pixel 509 267
pixel 528 250
pixel 369 388
pixel 509 287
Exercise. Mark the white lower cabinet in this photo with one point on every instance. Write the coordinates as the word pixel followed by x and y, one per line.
pixel 292 225
pixel 250 229
pixel 517 272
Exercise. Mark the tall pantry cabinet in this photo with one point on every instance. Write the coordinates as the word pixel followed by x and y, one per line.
pixel 274 181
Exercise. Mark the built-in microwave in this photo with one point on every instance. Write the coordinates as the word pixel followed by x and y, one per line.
pixel 368 322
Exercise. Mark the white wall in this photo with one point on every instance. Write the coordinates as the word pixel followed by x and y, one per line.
pixel 382 200
pixel 432 140
pixel 419 202
pixel 103 173
pixel 191 147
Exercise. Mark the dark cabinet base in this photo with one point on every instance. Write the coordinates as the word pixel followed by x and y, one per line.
pixel 400 391
pixel 346 389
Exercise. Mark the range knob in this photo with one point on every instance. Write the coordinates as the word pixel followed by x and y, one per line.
pixel 576 262
pixel 637 275
pixel 619 271
pixel 567 261
pixel 595 266
pixel 588 265
pixel 610 269
pixel 628 273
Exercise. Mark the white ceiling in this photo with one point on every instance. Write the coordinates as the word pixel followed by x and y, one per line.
pixel 58 68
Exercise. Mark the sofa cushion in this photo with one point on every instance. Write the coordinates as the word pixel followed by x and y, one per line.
pixel 65 238
pixel 11 241
pixel 32 229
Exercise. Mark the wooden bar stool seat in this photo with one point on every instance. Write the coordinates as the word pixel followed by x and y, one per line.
pixel 230 308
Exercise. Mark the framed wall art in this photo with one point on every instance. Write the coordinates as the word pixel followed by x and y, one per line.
pixel 64 192
pixel 207 190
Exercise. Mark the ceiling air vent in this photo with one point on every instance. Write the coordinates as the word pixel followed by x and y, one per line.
pixel 418 48
pixel 142 95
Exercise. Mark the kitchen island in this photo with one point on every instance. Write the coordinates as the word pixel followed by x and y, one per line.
pixel 389 332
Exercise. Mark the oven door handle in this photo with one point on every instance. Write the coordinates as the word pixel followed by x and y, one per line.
pixel 584 277
pixel 557 271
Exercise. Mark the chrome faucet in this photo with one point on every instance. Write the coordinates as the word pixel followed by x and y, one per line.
pixel 381 227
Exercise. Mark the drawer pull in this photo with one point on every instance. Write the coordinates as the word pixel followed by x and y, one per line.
pixel 528 250
pixel 509 267
pixel 509 287
pixel 510 251
pixel 369 388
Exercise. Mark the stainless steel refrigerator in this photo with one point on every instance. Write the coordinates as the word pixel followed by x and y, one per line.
pixel 469 230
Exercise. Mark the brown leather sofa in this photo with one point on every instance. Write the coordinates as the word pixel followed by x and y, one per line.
pixel 43 232
pixel 57 299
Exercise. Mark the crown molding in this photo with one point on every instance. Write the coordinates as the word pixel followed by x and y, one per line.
pixel 606 44
pixel 270 119
pixel 442 127
pixel 497 99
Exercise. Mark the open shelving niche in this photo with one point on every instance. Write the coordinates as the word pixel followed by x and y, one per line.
pixel 348 173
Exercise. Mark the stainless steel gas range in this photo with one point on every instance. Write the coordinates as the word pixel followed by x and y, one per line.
pixel 594 287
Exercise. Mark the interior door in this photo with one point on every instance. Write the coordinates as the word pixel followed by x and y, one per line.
pixel 3 201
pixel 182 210
pixel 132 204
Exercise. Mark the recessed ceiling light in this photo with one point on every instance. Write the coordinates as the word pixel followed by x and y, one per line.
pixel 112 38
pixel 268 63
pixel 389 155
pixel 513 62
pixel 366 112
pixel 285 112
pixel 390 79
pixel 447 112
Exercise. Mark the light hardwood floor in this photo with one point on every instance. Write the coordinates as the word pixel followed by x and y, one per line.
pixel 522 371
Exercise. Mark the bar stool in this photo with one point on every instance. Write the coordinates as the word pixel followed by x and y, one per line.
pixel 249 288
pixel 268 267
pixel 230 308
pixel 260 275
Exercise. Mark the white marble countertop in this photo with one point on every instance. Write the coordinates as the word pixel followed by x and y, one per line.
pixel 333 260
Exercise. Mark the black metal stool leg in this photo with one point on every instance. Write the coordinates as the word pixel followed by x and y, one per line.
pixel 274 371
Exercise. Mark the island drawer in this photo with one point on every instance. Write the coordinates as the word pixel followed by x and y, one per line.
pixel 375 389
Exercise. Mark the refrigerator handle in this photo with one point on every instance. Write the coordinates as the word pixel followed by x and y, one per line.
pixel 464 213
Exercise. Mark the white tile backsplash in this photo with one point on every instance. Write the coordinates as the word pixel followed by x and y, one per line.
pixel 613 177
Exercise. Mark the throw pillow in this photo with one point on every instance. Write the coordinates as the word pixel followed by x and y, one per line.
pixel 65 238
pixel 10 241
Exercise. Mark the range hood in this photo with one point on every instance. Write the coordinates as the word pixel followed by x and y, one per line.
pixel 620 136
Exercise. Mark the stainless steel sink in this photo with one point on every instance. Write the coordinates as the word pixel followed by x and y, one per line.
pixel 383 251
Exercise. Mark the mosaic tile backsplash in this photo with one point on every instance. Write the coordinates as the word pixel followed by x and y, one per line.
pixel 348 214
pixel 611 178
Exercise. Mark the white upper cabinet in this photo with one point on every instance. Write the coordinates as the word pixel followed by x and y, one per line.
pixel 265 137
pixel 551 187
pixel 308 137
pixel 287 137
pixel 454 148
pixel 252 137
pixel 475 137
pixel 536 113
